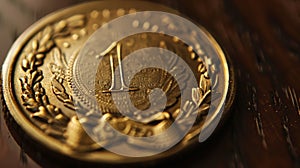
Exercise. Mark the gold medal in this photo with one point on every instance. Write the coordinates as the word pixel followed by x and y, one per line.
pixel 106 82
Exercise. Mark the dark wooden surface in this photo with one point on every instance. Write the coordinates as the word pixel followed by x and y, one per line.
pixel 262 37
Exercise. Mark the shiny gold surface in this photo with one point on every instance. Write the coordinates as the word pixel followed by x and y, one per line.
pixel 39 95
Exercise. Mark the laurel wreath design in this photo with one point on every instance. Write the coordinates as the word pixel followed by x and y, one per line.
pixel 53 120
pixel 34 96
pixel 200 97
pixel 59 71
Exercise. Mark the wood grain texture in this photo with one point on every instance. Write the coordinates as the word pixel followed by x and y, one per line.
pixel 262 38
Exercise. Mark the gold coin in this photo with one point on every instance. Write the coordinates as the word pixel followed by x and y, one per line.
pixel 55 87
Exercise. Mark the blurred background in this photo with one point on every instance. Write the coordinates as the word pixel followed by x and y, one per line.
pixel 17 15
pixel 262 39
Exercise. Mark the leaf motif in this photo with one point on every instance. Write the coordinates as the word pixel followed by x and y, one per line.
pixel 55 70
pixel 37 87
pixel 52 110
pixel 31 104
pixel 42 114
pixel 38 63
pixel 59 58
pixel 49 45
pixel 62 97
pixel 34 45
pixel 25 64
pixel 61 119
pixel 196 95
pixel 205 96
pixel 76 21
pixel 46 47
pixel 57 87
pixel 203 83
pixel 40 56
pixel 45 100
pixel 38 98
pixel 201 68
pixel 47 30
pixel 70 106
pixel 25 97
pixel 30 57
pixel 46 36
pixel 32 65
pixel 33 94
pixel 204 107
pixel 37 76
pixel 56 55
pixel 60 26
pixel 23 80
pixel 45 39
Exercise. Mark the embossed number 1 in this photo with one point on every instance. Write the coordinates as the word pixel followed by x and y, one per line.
pixel 124 87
